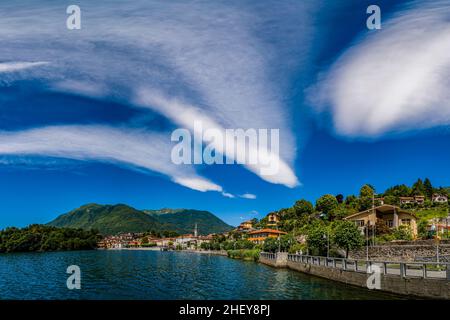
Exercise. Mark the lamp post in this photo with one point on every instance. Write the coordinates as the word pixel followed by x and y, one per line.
pixel 446 224
pixel 327 236
pixel 367 241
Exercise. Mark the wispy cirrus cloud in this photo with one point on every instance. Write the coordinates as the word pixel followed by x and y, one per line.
pixel 221 57
pixel 186 115
pixel 394 79
pixel 136 148
pixel 19 65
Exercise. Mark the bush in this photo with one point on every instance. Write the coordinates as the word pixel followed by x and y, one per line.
pixel 244 254
pixel 402 233
pixel 297 247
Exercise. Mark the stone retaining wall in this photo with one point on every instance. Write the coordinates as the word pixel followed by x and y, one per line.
pixel 280 260
pixel 424 288
pixel 403 252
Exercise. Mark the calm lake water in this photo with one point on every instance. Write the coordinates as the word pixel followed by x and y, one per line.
pixel 131 274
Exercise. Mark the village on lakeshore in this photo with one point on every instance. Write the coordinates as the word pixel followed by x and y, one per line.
pixel 334 226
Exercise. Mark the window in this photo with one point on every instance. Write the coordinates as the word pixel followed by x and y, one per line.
pixel 390 223
pixel 406 221
pixel 359 223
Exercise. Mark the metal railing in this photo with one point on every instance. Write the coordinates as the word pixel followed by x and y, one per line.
pixel 424 270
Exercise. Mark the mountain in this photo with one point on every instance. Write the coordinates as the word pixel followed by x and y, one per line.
pixel 114 219
pixel 108 219
pixel 183 221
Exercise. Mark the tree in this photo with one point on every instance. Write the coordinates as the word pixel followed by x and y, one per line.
pixel 428 188
pixel 367 191
pixel 347 236
pixel 270 245
pixel 365 203
pixel 351 201
pixel 316 237
pixel 342 211
pixel 418 189
pixel 401 190
pixel 303 207
pixel 381 228
pixel 340 198
pixel 326 204
pixel 392 200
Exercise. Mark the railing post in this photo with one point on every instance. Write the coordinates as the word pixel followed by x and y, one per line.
pixel 424 270
pixel 344 264
pixel 334 263
pixel 356 265
pixel 447 271
pixel 402 270
pixel 385 268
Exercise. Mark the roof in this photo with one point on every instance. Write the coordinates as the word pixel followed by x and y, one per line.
pixel 266 230
pixel 383 209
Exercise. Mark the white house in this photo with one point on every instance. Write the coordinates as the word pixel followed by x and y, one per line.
pixel 440 198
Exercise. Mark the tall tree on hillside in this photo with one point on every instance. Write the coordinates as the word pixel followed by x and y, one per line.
pixel 428 188
pixel 418 189
pixel 303 207
pixel 326 204
pixel 401 190
pixel 366 191
pixel 351 201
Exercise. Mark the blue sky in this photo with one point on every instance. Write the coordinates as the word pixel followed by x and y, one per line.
pixel 86 115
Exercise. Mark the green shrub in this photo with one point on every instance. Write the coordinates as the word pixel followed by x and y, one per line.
pixel 244 254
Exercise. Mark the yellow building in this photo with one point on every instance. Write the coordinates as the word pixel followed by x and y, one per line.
pixel 258 236
pixel 392 216
pixel 272 220
pixel 245 226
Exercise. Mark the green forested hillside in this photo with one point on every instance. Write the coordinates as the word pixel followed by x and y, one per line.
pixel 108 219
pixel 184 220
pixel 121 218
pixel 46 238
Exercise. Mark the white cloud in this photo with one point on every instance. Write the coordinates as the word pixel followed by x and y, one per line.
pixel 18 66
pixel 133 147
pixel 248 196
pixel 228 195
pixel 222 57
pixel 185 115
pixel 394 79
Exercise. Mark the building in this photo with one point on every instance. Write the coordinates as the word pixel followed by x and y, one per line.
pixel 272 220
pixel 439 198
pixel 380 200
pixel 415 199
pixel 392 216
pixel 245 226
pixel 258 236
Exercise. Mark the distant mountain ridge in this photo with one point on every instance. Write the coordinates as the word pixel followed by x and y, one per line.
pixel 114 219
pixel 185 220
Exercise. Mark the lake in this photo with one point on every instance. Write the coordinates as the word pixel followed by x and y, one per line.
pixel 145 274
